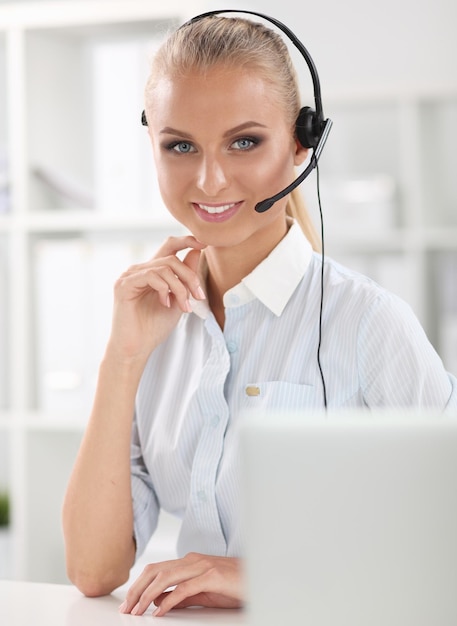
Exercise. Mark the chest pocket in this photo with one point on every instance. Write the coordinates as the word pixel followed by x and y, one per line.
pixel 280 395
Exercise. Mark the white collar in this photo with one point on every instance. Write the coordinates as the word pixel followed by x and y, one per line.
pixel 274 280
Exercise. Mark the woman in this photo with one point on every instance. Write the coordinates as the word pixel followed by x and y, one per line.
pixel 220 321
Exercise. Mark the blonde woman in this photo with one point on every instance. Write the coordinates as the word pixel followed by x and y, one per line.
pixel 220 321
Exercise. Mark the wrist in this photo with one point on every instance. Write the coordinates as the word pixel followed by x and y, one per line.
pixel 122 367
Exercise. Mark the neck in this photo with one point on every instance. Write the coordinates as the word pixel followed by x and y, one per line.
pixel 227 266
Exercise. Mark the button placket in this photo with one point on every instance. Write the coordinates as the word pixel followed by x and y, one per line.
pixel 210 446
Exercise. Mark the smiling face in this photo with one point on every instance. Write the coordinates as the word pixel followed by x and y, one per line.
pixel 221 145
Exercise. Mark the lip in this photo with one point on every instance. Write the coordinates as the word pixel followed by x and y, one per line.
pixel 216 217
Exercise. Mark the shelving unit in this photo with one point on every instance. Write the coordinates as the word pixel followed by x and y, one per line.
pixel 81 204
pixel 389 197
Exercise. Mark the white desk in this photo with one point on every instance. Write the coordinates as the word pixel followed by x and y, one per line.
pixel 42 604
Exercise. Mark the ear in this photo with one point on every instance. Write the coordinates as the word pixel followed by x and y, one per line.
pixel 300 153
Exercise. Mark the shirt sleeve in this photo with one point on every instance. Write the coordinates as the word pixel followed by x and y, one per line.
pixel 398 366
pixel 452 404
pixel 144 499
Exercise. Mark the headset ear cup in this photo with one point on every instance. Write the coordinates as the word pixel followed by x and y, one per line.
pixel 305 128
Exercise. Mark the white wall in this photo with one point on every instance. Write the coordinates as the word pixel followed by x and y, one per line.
pixel 362 44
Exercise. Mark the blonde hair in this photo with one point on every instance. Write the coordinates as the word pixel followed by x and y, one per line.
pixel 235 43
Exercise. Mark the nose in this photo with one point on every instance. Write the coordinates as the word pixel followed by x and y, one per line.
pixel 212 177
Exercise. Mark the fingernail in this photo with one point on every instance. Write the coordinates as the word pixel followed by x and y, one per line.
pixel 201 293
pixel 123 606
pixel 135 609
pixel 188 306
pixel 156 612
pixel 168 302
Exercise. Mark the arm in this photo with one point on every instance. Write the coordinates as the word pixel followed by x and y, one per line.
pixel 97 513
pixel 397 363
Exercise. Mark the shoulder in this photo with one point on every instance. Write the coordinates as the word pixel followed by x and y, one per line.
pixel 356 308
pixel 348 290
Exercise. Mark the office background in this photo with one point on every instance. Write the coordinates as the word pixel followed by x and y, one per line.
pixel 78 202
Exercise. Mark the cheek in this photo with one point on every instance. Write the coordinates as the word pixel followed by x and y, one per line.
pixel 273 171
pixel 171 190
pixel 170 179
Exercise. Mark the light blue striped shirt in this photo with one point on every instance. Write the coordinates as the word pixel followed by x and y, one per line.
pixel 197 384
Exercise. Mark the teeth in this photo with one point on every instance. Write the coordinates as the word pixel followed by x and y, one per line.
pixel 216 209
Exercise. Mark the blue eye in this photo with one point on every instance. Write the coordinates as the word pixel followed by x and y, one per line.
pixel 183 147
pixel 245 143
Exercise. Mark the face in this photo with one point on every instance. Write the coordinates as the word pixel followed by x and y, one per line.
pixel 221 145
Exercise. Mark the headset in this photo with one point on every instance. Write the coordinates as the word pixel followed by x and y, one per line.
pixel 311 130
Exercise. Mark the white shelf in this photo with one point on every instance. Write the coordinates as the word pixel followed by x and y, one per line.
pixel 84 221
pixel 92 13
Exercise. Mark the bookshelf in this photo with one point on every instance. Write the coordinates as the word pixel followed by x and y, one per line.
pixel 390 198
pixel 78 204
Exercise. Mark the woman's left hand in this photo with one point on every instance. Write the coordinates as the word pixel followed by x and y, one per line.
pixel 198 580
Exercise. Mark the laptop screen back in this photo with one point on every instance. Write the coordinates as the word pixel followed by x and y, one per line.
pixel 350 519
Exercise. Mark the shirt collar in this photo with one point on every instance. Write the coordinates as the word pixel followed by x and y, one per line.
pixel 274 280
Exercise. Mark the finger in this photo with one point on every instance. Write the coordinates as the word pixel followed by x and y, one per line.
pixel 191 592
pixel 192 261
pixel 163 580
pixel 185 271
pixel 143 581
pixel 181 286
pixel 170 278
pixel 132 286
pixel 206 599
pixel 177 291
pixel 173 245
pixel 197 600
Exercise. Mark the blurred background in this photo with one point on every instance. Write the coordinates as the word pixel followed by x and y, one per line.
pixel 79 203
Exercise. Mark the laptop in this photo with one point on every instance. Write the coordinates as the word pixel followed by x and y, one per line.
pixel 350 519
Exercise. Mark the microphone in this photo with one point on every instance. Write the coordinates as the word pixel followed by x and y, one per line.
pixel 266 204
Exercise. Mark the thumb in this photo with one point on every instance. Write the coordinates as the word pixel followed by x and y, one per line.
pixel 192 259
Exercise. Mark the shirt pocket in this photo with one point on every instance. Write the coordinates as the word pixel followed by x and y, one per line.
pixel 279 395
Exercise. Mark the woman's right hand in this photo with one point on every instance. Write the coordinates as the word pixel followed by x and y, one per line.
pixel 149 298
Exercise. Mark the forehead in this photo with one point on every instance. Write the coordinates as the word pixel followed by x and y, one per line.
pixel 220 93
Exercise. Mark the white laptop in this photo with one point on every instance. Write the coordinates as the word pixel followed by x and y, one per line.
pixel 350 519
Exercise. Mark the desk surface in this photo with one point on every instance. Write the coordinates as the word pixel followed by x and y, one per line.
pixel 41 604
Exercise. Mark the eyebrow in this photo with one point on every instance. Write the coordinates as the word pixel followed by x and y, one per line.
pixel 236 129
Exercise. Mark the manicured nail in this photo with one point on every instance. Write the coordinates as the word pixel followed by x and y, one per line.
pixel 188 306
pixel 201 294
pixel 123 607
pixel 135 609
pixel 156 612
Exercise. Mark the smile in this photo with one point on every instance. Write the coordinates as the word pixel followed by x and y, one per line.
pixel 216 212
pixel 216 209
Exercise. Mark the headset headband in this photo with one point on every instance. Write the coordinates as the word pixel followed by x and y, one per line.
pixel 293 38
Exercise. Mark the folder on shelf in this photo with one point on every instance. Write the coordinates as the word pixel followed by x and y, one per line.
pixel 4 184
pixel 3 326
pixel 74 280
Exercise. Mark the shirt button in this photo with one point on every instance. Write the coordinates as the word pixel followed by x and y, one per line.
pixel 232 346
pixel 252 390
pixel 215 421
pixel 201 495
